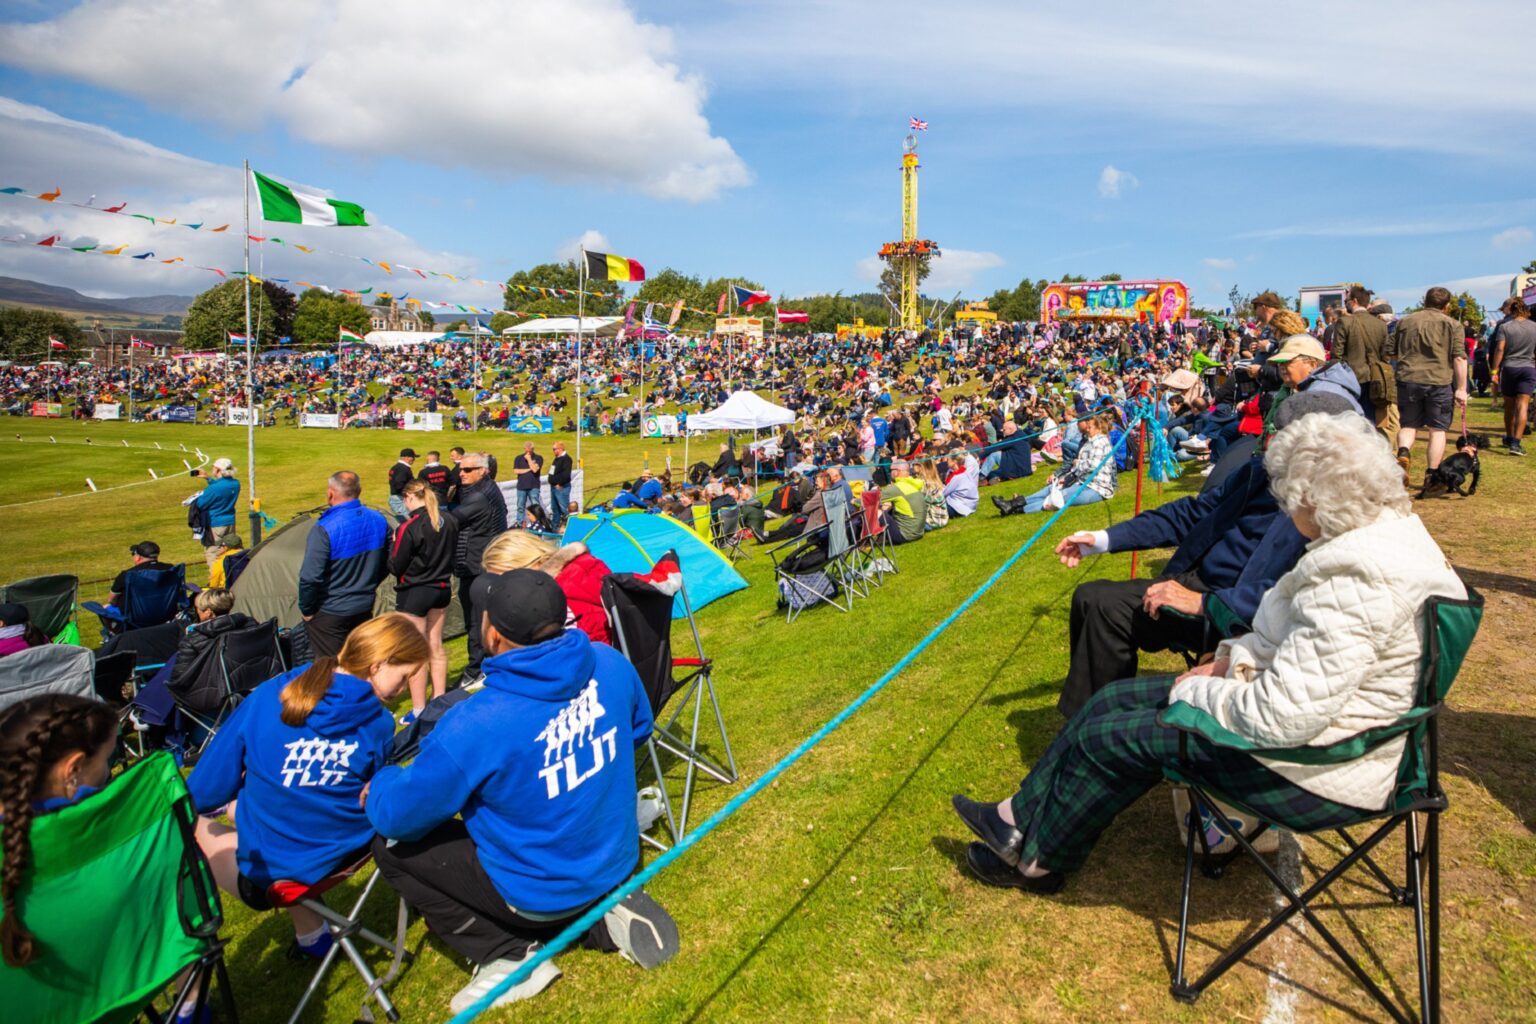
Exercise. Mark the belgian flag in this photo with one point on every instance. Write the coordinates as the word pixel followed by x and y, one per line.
pixel 607 267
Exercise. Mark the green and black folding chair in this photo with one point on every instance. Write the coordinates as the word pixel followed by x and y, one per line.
pixel 1449 626
pixel 121 904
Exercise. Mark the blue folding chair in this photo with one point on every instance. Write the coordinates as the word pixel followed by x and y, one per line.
pixel 151 597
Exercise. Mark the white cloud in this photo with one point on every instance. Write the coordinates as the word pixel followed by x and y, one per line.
pixel 1219 263
pixel 568 92
pixel 1511 237
pixel 44 151
pixel 1112 181
pixel 591 240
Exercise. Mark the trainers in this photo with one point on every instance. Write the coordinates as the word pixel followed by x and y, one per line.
pixel 1516 448
pixel 408 717
pixel 1196 444
pixel 314 951
pixel 643 931
pixel 488 976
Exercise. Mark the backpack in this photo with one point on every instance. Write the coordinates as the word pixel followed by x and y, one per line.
pixel 805 595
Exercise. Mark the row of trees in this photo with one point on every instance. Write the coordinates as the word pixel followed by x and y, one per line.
pixel 313 318
pixel 24 335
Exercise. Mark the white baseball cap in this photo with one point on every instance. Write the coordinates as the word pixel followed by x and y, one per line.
pixel 224 465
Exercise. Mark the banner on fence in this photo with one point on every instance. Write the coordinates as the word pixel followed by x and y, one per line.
pixel 659 426
pixel 107 411
pixel 320 419
pixel 532 425
pixel 508 490
pixel 179 414
pixel 423 421
pixel 53 409
pixel 240 417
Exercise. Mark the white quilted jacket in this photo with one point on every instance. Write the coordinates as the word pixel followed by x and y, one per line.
pixel 1334 651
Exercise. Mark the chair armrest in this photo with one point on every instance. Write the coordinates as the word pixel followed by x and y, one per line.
pixel 1189 719
pixel 1223 619
pixel 104 611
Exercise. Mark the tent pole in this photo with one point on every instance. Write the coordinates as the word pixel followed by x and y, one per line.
pixel 581 294
pixel 254 514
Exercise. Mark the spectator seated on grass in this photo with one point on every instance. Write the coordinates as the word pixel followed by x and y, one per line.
pixel 17 633
pixel 146 557
pixel 962 478
pixel 627 498
pixel 190 677
pixel 519 811
pixel 218 570
pixel 935 511
pixel 291 764
pixel 1334 651
pixel 1011 457
pixel 1090 464
pixel 904 506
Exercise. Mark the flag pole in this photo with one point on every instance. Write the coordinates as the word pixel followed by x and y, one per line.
pixel 130 378
pixel 581 293
pixel 250 391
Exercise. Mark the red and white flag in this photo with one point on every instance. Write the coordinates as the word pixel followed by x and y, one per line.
pixel 720 306
pixel 793 316
pixel 56 343
pixel 138 342
pixel 677 311
pixel 918 125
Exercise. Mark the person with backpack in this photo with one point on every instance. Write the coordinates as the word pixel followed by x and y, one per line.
pixel 421 560
pixel 290 765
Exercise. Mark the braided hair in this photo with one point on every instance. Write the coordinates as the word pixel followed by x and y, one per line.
pixel 35 735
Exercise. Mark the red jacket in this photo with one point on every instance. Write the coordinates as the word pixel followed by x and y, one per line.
pixel 580 577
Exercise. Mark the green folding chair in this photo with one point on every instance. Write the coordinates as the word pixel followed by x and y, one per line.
pixel 1449 626
pixel 121 904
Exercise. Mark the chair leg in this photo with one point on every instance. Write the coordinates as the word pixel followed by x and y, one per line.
pixel 661 784
pixel 1432 897
pixel 1414 856
pixel 361 966
pixel 1180 988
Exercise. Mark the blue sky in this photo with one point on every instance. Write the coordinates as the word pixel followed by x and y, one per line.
pixel 1314 144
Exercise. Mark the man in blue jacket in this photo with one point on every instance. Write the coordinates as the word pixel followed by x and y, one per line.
pixel 519 812
pixel 1232 543
pixel 216 506
pixel 345 560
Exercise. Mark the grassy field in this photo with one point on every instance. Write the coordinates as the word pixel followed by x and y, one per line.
pixel 838 893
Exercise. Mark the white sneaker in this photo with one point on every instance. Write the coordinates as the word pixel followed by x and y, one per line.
pixel 645 933
pixel 1195 444
pixel 488 976
pixel 1207 470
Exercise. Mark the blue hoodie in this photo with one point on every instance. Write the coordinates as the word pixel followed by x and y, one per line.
pixel 218 499
pixel 298 785
pixel 541 765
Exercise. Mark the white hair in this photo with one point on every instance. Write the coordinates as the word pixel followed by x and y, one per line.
pixel 1337 466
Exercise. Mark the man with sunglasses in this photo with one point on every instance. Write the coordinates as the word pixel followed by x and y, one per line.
pixel 482 516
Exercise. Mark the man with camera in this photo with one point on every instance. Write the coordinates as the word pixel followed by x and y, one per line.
pixel 214 509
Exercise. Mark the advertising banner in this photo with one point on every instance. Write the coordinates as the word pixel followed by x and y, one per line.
pixel 659 426
pixel 329 420
pixel 423 421
pixel 532 425
pixel 178 414
pixel 240 417
pixel 508 490
pixel 51 409
pixel 1154 301
pixel 108 411
pixel 751 326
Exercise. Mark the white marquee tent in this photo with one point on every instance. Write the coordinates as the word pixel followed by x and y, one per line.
pixel 744 410
pixel 400 339
pixel 600 326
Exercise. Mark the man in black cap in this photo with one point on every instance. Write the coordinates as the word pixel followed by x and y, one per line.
pixel 518 813
pixel 146 555
pixel 401 474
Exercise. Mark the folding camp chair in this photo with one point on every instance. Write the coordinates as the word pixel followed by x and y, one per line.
pixel 800 571
pixel 49 600
pixel 640 615
pixel 345 929
pixel 727 533
pixel 121 904
pixel 51 668
pixel 111 675
pixel 150 597
pixel 842 548
pixel 242 660
pixel 1449 626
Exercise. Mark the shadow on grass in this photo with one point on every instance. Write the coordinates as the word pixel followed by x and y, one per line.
pixel 1483 579
pixel 1494 751
pixel 1042 615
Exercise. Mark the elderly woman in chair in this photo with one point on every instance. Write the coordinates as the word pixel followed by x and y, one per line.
pixel 1334 651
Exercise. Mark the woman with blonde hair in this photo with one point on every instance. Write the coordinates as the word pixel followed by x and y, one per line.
pixel 297 755
pixel 937 515
pixel 421 560
pixel 577 572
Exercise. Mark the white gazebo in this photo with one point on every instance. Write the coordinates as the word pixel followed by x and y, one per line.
pixel 597 326
pixel 400 339
pixel 744 410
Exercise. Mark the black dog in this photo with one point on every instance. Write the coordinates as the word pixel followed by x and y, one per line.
pixel 1453 472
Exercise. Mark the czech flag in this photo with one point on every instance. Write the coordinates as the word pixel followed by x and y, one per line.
pixel 746 298
pixel 793 316
pixel 603 266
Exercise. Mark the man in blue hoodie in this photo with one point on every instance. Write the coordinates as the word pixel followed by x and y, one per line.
pixel 345 560
pixel 216 506
pixel 519 812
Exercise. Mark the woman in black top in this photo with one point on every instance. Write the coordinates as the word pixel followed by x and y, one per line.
pixel 421 560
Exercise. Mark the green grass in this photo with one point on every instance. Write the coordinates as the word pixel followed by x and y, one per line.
pixel 837 893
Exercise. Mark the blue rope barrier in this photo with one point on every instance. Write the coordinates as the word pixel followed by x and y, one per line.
pixel 579 927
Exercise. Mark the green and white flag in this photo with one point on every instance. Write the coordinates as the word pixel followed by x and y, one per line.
pixel 289 205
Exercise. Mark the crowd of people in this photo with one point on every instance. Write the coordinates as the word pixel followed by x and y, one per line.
pixel 1295 583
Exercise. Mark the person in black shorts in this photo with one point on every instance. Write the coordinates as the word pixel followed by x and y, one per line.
pixel 1514 359
pixel 421 560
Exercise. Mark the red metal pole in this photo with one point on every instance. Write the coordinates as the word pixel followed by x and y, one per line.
pixel 1141 473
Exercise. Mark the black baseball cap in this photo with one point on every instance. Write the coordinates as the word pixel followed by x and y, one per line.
pixel 145 549
pixel 407 453
pixel 14 615
pixel 522 604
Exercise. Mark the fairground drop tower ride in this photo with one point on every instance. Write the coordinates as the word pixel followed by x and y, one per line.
pixel 908 254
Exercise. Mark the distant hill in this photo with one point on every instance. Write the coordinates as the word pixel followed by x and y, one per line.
pixel 21 292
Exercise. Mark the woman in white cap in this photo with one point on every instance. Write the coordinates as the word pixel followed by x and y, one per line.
pixel 216 507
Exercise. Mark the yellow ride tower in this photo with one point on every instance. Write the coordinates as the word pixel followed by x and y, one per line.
pixel 908 254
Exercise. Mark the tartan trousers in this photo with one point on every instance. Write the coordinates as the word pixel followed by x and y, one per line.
pixel 1114 750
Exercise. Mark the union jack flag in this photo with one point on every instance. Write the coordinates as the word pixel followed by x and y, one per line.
pixel 917 125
